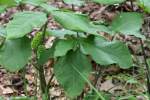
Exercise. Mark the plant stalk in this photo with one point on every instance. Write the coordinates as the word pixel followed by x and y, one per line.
pixel 42 79
pixel 147 66
pixel 40 69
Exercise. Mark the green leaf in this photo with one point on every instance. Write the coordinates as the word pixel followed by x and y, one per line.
pixel 137 34
pixel 109 2
pixel 145 4
pixel 45 54
pixel 48 8
pixel 34 2
pixel 128 23
pixel 2 8
pixel 14 54
pixel 106 53
pixel 20 98
pixel 2 31
pixel 74 2
pixel 63 46
pixel 8 3
pixel 69 70
pixel 75 22
pixel 91 95
pixel 101 28
pixel 130 97
pixel 24 22
pixel 60 33
pixel 1 98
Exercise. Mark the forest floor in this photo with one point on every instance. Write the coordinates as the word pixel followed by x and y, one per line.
pixel 111 79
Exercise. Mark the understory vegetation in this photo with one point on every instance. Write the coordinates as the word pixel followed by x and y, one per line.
pixel 84 49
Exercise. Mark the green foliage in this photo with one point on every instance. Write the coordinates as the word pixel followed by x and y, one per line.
pixel 33 2
pixel 105 53
pixel 2 32
pixel 130 97
pixel 48 8
pixel 8 3
pixel 75 22
pixel 108 1
pixel 1 98
pixel 75 46
pixel 145 4
pixel 14 54
pixel 67 70
pixel 74 2
pixel 60 33
pixel 2 8
pixel 128 23
pixel 45 54
pixel 22 98
pixel 63 46
pixel 91 95
pixel 24 22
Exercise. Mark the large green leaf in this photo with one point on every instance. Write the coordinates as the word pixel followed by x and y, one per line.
pixel 75 2
pixel 14 54
pixel 108 1
pixel 69 70
pixel 75 22
pixel 24 22
pixel 145 4
pixel 106 53
pixel 128 23
pixel 63 46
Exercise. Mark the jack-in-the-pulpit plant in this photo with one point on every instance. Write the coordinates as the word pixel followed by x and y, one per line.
pixel 75 46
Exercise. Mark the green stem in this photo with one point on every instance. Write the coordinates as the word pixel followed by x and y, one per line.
pixel 40 68
pixel 42 79
pixel 24 81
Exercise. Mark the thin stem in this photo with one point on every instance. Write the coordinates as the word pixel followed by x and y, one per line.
pixel 44 31
pixel 97 75
pixel 132 6
pixel 145 58
pixel 146 65
pixel 42 79
pixel 24 81
pixel 40 68
pixel 49 82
